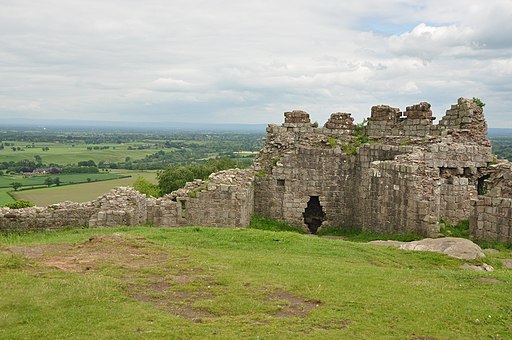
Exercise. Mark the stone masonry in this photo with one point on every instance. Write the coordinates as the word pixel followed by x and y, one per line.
pixel 226 199
pixel 398 173
pixel 408 175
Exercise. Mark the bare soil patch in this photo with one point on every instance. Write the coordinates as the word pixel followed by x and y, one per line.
pixel 99 250
pixel 135 257
pixel 487 279
pixel 292 305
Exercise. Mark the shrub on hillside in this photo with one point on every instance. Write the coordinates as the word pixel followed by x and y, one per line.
pixel 19 204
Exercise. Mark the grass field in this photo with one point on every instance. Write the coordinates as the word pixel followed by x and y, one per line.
pixel 67 154
pixel 6 180
pixel 81 192
pixel 5 197
pixel 214 283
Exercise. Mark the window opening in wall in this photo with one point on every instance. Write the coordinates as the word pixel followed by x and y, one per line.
pixel 280 182
pixel 183 208
pixel 313 214
pixel 481 185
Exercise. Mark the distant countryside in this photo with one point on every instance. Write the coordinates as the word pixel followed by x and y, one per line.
pixel 46 166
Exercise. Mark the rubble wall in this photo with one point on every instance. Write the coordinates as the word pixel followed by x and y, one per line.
pixel 226 200
pixel 46 218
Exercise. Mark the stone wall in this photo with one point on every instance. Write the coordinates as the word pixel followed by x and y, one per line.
pixel 491 212
pixel 55 216
pixel 226 199
pixel 410 176
pixel 491 219
pixel 463 122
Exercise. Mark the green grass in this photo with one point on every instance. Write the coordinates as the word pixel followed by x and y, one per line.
pixel 264 223
pixel 67 154
pixel 33 181
pixel 356 235
pixel 459 230
pixel 244 283
pixel 5 197
pixel 81 192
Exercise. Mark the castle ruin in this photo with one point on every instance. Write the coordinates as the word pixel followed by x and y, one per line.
pixel 399 173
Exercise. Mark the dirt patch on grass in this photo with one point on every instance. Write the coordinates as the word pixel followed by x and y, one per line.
pixel 146 270
pixel 487 279
pixel 291 305
pixel 177 302
pixel 99 250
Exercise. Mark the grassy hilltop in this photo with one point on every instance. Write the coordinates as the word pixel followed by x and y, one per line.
pixel 215 283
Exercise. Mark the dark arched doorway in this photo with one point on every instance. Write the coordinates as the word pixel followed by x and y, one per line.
pixel 313 215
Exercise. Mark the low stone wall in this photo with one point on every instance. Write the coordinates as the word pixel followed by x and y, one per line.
pixel 55 216
pixel 225 200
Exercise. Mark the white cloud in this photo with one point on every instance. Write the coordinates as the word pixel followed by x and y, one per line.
pixel 429 42
pixel 238 61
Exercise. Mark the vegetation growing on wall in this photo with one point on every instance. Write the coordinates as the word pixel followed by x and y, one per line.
pixel 478 102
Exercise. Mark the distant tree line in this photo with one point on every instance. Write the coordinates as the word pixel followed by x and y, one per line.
pixel 502 147
pixel 173 149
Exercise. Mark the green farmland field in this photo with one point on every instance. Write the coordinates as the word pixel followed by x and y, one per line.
pixel 81 192
pixel 5 197
pixel 33 181
pixel 67 154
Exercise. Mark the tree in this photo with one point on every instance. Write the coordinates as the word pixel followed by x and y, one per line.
pixel 56 181
pixel 175 177
pixel 145 187
pixel 87 163
pixel 16 185
pixel 48 181
pixel 38 159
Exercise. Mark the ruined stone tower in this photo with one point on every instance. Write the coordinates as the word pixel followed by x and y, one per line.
pixel 399 173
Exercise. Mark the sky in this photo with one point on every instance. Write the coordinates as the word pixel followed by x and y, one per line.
pixel 238 61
